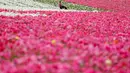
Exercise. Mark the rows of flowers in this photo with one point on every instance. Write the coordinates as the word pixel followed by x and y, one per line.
pixel 116 5
pixel 27 11
pixel 65 42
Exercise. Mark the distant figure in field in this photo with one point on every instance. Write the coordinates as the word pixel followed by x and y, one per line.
pixel 62 6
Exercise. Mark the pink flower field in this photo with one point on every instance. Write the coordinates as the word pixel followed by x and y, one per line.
pixel 65 42
pixel 116 5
